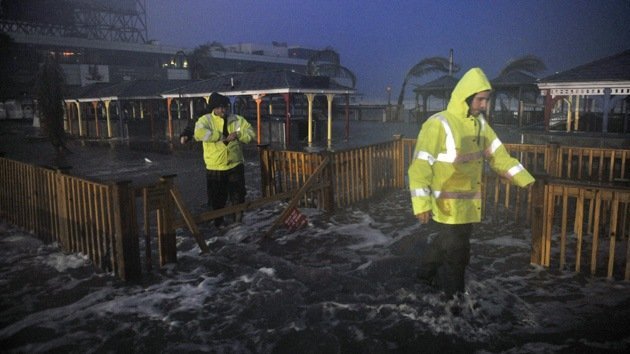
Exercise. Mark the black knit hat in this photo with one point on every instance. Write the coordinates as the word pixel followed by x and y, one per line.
pixel 217 100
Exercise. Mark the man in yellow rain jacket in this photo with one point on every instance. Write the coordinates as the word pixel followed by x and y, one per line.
pixel 445 178
pixel 222 135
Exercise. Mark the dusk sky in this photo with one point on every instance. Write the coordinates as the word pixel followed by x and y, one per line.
pixel 380 40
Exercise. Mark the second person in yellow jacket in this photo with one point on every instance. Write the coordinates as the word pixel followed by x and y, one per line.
pixel 446 173
pixel 222 135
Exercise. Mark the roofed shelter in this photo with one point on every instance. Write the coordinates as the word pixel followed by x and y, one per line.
pixel 155 95
pixel 515 84
pixel 258 85
pixel 522 87
pixel 130 100
pixel 601 86
pixel 441 88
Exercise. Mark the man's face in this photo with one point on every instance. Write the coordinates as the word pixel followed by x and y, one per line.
pixel 479 103
pixel 220 111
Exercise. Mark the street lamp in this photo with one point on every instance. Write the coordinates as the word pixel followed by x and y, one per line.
pixel 389 101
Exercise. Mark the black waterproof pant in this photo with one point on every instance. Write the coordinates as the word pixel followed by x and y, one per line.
pixel 444 261
pixel 223 184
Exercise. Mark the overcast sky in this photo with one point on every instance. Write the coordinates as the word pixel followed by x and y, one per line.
pixel 380 40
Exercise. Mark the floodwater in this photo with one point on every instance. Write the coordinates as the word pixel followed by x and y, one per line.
pixel 343 284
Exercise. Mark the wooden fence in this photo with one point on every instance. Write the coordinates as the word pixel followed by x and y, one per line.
pixel 587 217
pixel 361 173
pixel 93 218
pixel 353 175
pixel 100 219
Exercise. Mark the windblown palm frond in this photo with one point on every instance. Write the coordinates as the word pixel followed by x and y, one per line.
pixel 527 63
pixel 423 67
pixel 327 55
pixel 199 61
pixel 337 71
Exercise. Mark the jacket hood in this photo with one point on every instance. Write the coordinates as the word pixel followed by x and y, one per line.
pixel 472 82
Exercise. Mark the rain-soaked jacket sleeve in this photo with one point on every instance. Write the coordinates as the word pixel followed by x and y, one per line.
pixel 428 146
pixel 502 163
pixel 245 132
pixel 204 131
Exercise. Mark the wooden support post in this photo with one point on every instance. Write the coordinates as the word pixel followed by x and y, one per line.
pixel 97 129
pixel 265 170
pixel 310 97
pixel 125 232
pixel 188 218
pixel 552 168
pixel 537 225
pixel 614 214
pixel 62 207
pixel 329 190
pixel 258 100
pixel 167 244
pixel 330 98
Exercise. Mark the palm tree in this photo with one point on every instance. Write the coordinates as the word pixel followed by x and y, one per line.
pixel 326 62
pixel 527 63
pixel 199 60
pixel 50 84
pixel 326 55
pixel 423 67
pixel 6 43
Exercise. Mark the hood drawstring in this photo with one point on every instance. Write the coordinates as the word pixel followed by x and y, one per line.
pixel 478 126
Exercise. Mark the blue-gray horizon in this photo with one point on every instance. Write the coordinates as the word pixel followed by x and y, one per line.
pixel 381 40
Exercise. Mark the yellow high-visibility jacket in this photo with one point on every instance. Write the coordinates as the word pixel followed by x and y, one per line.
pixel 445 173
pixel 217 155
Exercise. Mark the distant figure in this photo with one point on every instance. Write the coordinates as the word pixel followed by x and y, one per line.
pixel 222 136
pixel 445 178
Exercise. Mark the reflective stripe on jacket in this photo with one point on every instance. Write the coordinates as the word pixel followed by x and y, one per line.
pixel 445 174
pixel 216 155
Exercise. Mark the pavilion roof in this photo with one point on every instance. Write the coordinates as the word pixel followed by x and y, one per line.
pixel 137 89
pixel 441 83
pixel 612 68
pixel 260 82
pixel 594 78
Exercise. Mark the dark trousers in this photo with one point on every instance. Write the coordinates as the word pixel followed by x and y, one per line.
pixel 445 259
pixel 222 185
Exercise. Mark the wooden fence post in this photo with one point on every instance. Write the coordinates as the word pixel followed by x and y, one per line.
pixel 62 207
pixel 265 166
pixel 328 179
pixel 167 242
pixel 537 219
pixel 552 168
pixel 125 232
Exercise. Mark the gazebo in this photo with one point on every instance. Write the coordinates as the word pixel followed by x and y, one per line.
pixel 112 105
pixel 257 85
pixel 187 99
pixel 520 86
pixel 516 85
pixel 601 86
pixel 440 88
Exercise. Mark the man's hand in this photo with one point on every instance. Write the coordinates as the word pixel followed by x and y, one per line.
pixel 424 217
pixel 183 139
pixel 230 137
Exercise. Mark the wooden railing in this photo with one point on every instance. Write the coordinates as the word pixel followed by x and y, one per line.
pixel 602 199
pixel 93 218
pixel 590 217
pixel 352 175
pixel 100 219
